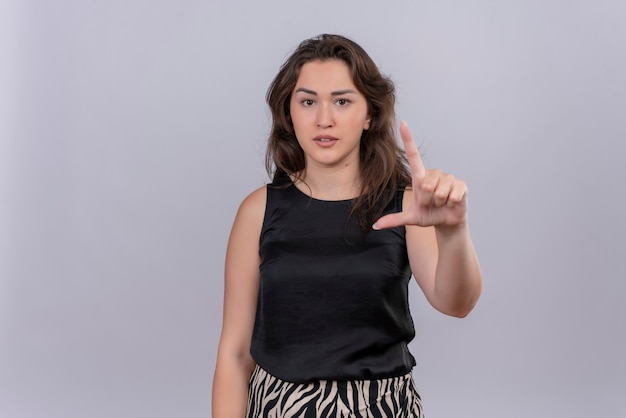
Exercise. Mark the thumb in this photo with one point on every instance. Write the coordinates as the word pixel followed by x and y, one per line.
pixel 391 221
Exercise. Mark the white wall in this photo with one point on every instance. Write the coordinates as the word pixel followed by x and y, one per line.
pixel 131 130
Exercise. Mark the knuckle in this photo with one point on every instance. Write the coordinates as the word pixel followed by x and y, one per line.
pixel 441 194
pixel 428 186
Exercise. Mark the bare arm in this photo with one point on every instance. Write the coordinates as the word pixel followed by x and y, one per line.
pixel 445 266
pixel 241 285
pixel 440 248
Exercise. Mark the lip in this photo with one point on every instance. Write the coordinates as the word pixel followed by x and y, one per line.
pixel 330 140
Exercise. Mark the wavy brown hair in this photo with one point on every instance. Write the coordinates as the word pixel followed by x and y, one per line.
pixel 383 166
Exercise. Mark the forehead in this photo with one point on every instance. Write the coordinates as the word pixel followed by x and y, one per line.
pixel 327 74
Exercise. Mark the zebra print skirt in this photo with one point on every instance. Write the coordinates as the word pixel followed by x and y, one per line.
pixel 392 397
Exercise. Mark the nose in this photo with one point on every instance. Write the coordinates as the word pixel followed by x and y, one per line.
pixel 324 116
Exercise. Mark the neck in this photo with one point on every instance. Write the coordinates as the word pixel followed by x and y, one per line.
pixel 331 183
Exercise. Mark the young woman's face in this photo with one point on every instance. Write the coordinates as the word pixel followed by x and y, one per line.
pixel 329 114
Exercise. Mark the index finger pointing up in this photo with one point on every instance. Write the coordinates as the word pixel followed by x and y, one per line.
pixel 412 154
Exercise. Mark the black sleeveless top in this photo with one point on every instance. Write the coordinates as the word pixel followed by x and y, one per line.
pixel 333 300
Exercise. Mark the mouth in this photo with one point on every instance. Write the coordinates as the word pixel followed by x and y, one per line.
pixel 325 138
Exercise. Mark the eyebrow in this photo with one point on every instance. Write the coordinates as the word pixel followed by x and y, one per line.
pixel 332 93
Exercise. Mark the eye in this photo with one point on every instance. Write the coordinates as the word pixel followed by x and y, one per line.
pixel 307 102
pixel 342 102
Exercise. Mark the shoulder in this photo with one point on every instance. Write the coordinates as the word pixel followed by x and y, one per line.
pixel 252 208
pixel 256 198
pixel 247 225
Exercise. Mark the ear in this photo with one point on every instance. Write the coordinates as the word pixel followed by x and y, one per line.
pixel 367 124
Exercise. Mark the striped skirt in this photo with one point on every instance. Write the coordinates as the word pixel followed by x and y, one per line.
pixel 392 397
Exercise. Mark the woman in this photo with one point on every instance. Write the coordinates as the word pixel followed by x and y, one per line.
pixel 316 317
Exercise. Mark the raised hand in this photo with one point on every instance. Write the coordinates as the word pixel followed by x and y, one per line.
pixel 438 199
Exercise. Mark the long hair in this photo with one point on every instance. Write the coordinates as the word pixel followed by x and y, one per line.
pixel 383 165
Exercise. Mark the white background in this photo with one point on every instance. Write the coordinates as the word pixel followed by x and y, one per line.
pixel 130 131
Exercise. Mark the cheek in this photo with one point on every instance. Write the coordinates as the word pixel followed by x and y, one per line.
pixel 295 114
pixel 297 125
pixel 301 122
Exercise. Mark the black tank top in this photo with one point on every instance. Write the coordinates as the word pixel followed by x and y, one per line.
pixel 333 300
